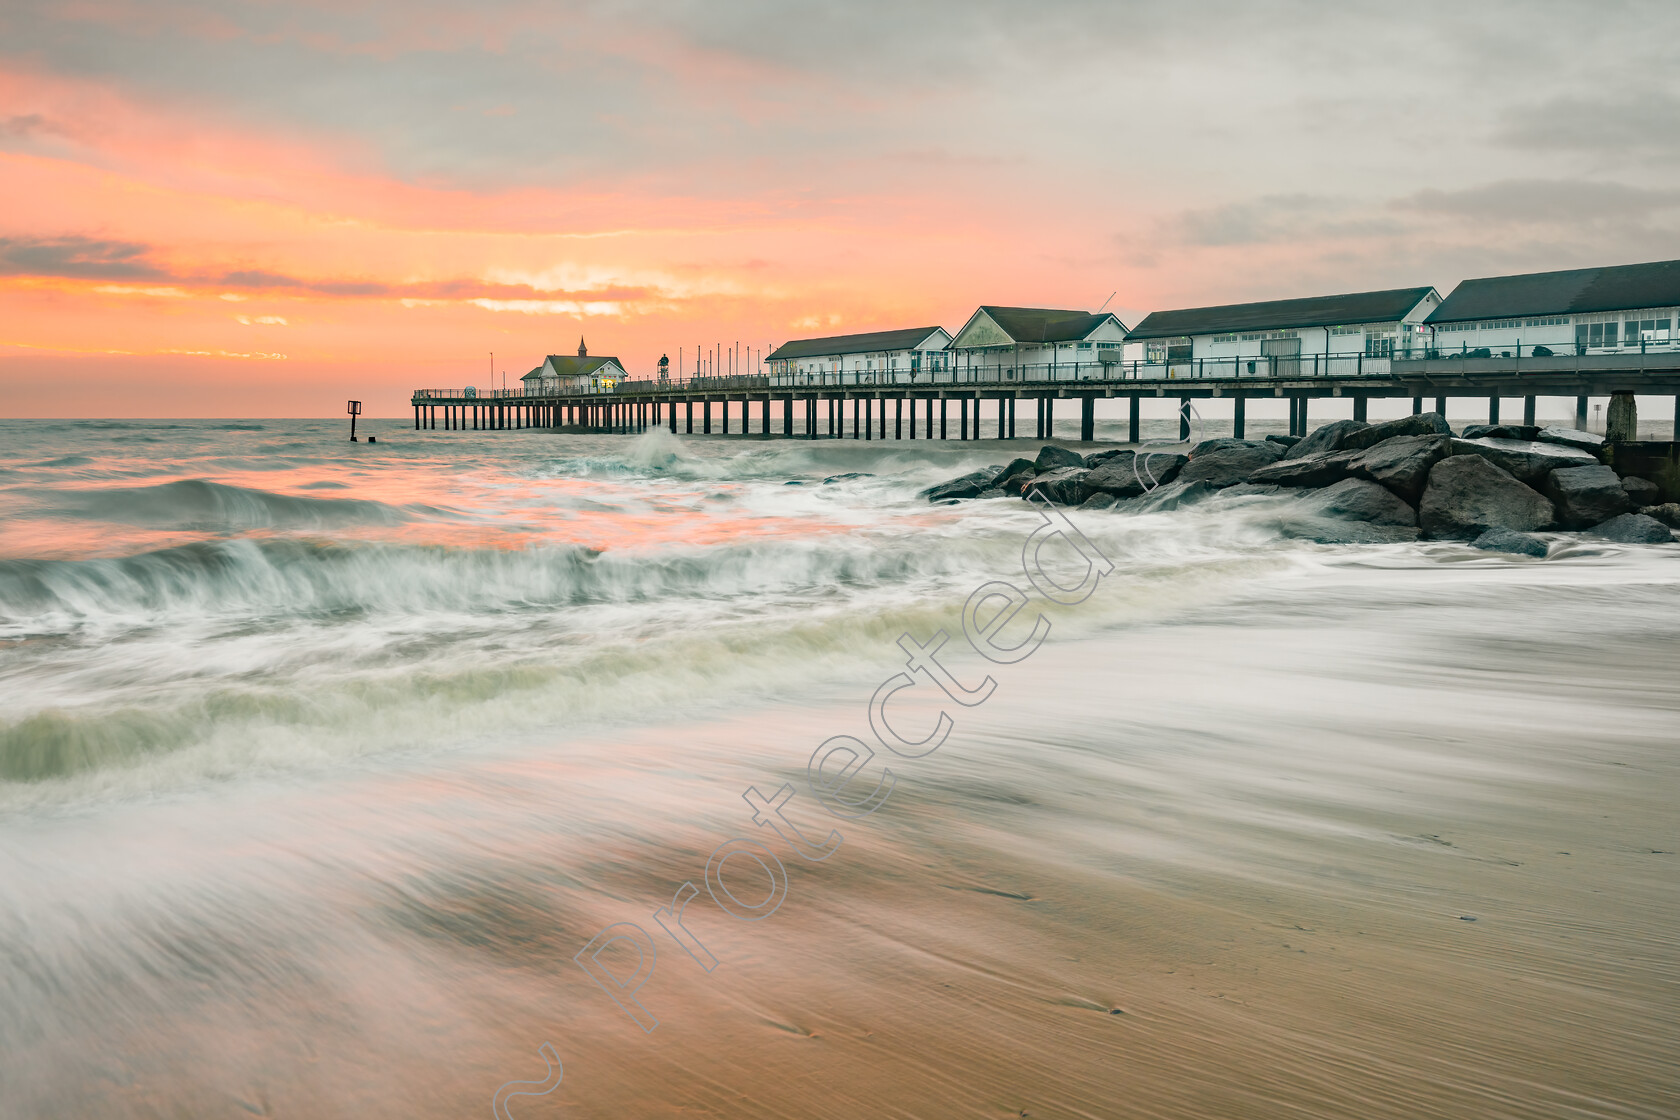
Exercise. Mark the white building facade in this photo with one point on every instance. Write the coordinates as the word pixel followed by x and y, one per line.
pixel 582 374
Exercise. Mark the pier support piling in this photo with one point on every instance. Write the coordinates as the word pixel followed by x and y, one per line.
pixel 1359 407
pixel 1239 421
pixel 1528 411
pixel 1087 419
pixel 1183 419
pixel 1136 419
pixel 1493 410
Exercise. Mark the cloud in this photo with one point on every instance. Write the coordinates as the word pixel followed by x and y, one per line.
pixel 1273 219
pixel 1641 124
pixel 1573 202
pixel 78 257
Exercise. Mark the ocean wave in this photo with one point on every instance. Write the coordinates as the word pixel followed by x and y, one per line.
pixel 195 503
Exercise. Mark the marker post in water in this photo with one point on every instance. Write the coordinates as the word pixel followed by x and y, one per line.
pixel 354 408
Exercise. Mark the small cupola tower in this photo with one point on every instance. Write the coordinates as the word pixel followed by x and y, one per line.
pixel 583 351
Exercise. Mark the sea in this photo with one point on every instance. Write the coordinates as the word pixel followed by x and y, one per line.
pixel 517 773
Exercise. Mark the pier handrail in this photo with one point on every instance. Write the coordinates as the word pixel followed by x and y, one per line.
pixel 1000 374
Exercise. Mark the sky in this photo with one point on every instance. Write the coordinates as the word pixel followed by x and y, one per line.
pixel 263 208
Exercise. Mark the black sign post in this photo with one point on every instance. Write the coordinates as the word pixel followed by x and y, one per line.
pixel 354 408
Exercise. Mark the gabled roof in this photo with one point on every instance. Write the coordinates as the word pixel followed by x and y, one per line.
pixel 1624 287
pixel 1283 314
pixel 1042 324
pixel 910 338
pixel 568 366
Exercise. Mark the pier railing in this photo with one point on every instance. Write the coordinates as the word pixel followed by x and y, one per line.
pixel 1509 359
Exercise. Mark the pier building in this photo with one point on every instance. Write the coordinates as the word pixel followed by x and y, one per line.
pixel 1017 343
pixel 1631 308
pixel 896 357
pixel 582 374
pixel 1315 336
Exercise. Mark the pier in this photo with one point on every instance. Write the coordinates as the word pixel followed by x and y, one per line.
pixel 967 404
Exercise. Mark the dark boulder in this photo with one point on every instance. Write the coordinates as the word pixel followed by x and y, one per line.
pixel 1355 499
pixel 1229 465
pixel 1401 463
pixel 1314 470
pixel 1501 431
pixel 1572 437
pixel 1634 528
pixel 833 478
pixel 1504 540
pixel 1208 445
pixel 1329 437
pixel 1050 457
pixel 994 492
pixel 1528 461
pixel 1585 496
pixel 1097 458
pixel 1287 441
pixel 1328 530
pixel 1467 495
pixel 1128 475
pixel 968 486
pixel 1173 495
pixel 1641 491
pixel 1064 485
pixel 1668 514
pixel 1423 424
pixel 1099 501
pixel 1015 475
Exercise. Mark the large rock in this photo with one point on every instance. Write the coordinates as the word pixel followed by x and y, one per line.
pixel 1634 528
pixel 1328 437
pixel 1230 464
pixel 1586 495
pixel 1572 437
pixel 1097 458
pixel 1423 424
pixel 1064 485
pixel 1015 475
pixel 1503 540
pixel 1467 495
pixel 1050 457
pixel 1501 431
pixel 1667 513
pixel 1401 463
pixel 1287 441
pixel 1099 501
pixel 1128 475
pixel 1207 445
pixel 1641 491
pixel 968 486
pixel 1169 497
pixel 1355 499
pixel 1314 470
pixel 1528 461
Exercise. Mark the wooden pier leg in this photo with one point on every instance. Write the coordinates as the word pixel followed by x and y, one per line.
pixel 1528 411
pixel 964 434
pixel 1581 413
pixel 942 414
pixel 1303 415
pixel 1239 425
pixel 869 418
pixel 1359 408
pixel 1049 417
pixel 1038 418
pixel 706 417
pixel 1087 419
pixel 1011 418
pixel 1183 419
pixel 912 417
pixel 898 417
pixel 1493 410
pixel 1136 427
pixel 1417 406
pixel 1441 406
pixel 1675 434
pixel 417 418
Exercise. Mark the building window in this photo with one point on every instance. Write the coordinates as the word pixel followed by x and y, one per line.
pixel 1224 338
pixel 1379 346
pixel 1179 349
pixel 1547 321
pixel 1596 334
